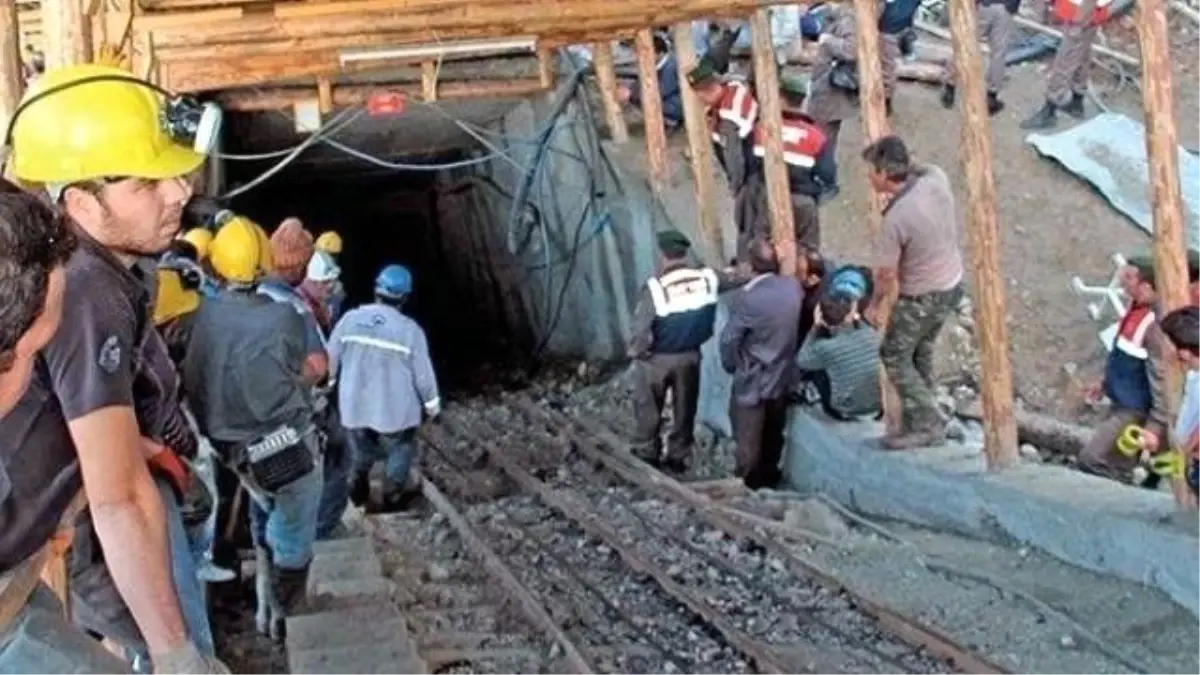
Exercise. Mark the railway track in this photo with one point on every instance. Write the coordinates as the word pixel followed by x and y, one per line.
pixel 602 564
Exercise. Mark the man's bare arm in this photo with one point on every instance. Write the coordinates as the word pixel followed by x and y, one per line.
pixel 886 284
pixel 128 515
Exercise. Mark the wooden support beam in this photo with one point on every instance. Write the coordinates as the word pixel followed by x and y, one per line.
pixel 429 81
pixel 1162 153
pixel 67 32
pixel 286 97
pixel 770 116
pixel 606 81
pixel 546 67
pixel 983 235
pixel 446 21
pixel 700 144
pixel 652 114
pixel 324 95
pixel 12 80
pixel 875 126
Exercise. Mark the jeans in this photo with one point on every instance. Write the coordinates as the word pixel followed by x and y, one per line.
pixel 41 640
pixel 398 449
pixel 335 494
pixel 286 522
pixel 98 606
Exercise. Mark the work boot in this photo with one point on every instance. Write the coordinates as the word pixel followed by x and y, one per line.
pixel 290 587
pixel 1075 107
pixel 948 95
pixel 360 490
pixel 1044 118
pixel 995 105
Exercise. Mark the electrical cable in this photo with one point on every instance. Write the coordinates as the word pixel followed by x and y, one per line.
pixel 339 121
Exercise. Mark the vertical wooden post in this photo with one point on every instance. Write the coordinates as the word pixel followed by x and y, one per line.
pixel 983 233
pixel 652 114
pixel 875 125
pixel 429 77
pixel 546 67
pixel 1162 154
pixel 700 145
pixel 67 32
pixel 12 81
pixel 606 79
pixel 770 116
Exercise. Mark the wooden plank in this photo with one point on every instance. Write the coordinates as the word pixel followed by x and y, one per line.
pixel 875 126
pixel 1045 432
pixel 546 67
pixel 185 20
pixel 286 97
pixel 429 81
pixel 12 80
pixel 983 238
pixel 1162 150
pixel 700 147
pixel 324 95
pixel 606 81
pixel 652 113
pixel 770 116
pixel 500 572
pixel 201 75
pixel 450 23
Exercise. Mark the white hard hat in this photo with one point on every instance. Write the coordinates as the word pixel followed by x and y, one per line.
pixel 321 267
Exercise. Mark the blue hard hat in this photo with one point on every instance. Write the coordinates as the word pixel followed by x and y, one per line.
pixel 394 281
pixel 810 26
pixel 850 281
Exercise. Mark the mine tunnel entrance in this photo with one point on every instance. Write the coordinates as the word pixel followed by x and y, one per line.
pixel 433 224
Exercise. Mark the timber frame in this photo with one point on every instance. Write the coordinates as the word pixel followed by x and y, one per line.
pixel 294 48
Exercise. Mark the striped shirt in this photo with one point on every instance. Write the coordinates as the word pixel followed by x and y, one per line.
pixel 850 357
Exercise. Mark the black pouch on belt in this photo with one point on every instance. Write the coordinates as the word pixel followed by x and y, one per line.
pixel 277 459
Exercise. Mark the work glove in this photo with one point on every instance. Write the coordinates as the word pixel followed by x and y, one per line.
pixel 167 464
pixel 188 659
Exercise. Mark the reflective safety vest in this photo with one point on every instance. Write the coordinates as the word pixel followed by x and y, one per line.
pixel 802 142
pixel 1071 11
pixel 737 105
pixel 685 307
pixel 1126 379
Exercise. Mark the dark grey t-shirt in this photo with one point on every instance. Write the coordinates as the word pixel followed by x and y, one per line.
pixel 243 371
pixel 91 363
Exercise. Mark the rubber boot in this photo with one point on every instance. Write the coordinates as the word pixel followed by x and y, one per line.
pixel 995 105
pixel 290 588
pixel 1075 107
pixel 1044 118
pixel 268 614
pixel 948 95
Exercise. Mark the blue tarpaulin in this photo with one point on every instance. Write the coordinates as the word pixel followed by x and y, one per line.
pixel 1109 151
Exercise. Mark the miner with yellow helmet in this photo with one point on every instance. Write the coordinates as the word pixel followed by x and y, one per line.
pixel 246 358
pixel 116 155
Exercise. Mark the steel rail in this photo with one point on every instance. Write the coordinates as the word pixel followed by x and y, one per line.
pixel 625 465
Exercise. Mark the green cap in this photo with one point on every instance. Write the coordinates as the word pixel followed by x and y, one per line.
pixel 673 243
pixel 1144 262
pixel 703 73
pixel 793 86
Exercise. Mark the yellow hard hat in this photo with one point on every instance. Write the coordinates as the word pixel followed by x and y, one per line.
pixel 330 242
pixel 240 252
pixel 173 300
pixel 201 238
pixel 69 129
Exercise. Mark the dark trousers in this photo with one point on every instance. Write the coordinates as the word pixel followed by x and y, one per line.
pixel 655 375
pixel 759 433
pixel 752 215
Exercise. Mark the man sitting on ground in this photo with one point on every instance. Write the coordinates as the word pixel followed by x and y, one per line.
pixel 841 357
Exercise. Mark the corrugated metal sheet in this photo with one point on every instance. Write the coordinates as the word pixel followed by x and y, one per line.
pixel 1109 151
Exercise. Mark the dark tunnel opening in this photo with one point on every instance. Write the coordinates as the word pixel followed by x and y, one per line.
pixel 422 220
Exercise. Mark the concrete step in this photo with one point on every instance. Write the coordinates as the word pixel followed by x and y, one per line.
pixel 367 639
pixel 345 573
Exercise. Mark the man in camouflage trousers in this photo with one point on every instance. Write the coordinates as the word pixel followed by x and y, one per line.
pixel 917 255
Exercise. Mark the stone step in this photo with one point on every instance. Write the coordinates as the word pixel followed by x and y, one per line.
pixel 360 545
pixel 364 625
pixel 346 593
pixel 394 656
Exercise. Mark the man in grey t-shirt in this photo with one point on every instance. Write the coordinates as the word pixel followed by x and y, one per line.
pixel 917 254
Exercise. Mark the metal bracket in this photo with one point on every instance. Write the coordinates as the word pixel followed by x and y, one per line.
pixel 1108 298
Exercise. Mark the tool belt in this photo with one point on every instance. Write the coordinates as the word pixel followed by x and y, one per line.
pixel 274 461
